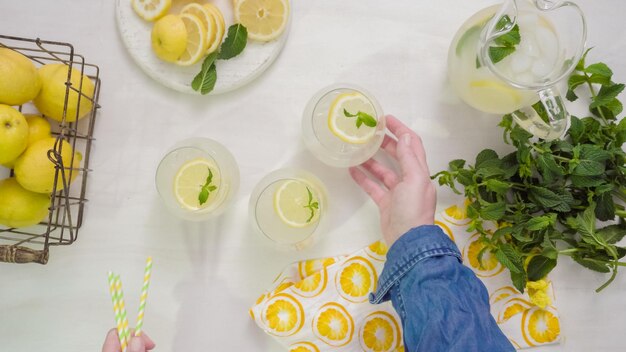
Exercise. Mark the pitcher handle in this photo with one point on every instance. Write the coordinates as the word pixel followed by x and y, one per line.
pixel 558 116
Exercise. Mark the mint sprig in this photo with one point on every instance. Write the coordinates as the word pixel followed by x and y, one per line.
pixel 505 44
pixel 206 189
pixel 362 118
pixel 312 206
pixel 233 45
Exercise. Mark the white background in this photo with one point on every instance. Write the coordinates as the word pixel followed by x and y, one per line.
pixel 207 275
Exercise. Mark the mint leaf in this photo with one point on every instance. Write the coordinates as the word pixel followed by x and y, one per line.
pixel 612 233
pixel 484 156
pixel 204 82
pixel 539 266
pixel 508 257
pixel 367 119
pixel 235 42
pixel 591 264
pixel 606 95
pixel 493 211
pixel 203 196
pixel 498 53
pixel 599 69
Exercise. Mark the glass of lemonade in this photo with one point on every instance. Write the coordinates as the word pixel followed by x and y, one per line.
pixel 343 125
pixel 288 206
pixel 197 179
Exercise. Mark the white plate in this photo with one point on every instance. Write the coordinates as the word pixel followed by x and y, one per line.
pixel 231 74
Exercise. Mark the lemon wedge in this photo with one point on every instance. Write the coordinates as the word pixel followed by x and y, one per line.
pixel 196 40
pixel 290 203
pixel 344 127
pixel 151 10
pixel 189 181
pixel 220 27
pixel 205 15
pixel 264 19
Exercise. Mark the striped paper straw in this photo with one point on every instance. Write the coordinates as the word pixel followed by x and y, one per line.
pixel 122 307
pixel 116 308
pixel 144 296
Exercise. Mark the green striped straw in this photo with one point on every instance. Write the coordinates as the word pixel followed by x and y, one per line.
pixel 125 328
pixel 116 308
pixel 144 296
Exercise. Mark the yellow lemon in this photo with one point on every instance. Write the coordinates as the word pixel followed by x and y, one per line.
pixel 540 326
pixel 380 332
pixel 151 10
pixel 51 98
pixel 356 279
pixel 283 315
pixel 291 203
pixel 264 19
pixel 38 128
pixel 35 171
pixel 169 38
pixel 19 80
pixel 333 325
pixel 20 207
pixel 303 347
pixel 190 179
pixel 344 127
pixel 196 40
pixel 220 28
pixel 13 134
pixel 206 16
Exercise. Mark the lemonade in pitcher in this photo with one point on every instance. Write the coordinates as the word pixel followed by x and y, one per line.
pixel 507 57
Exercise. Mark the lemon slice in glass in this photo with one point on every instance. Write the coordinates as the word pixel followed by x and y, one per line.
pixel 291 201
pixel 494 95
pixel 196 40
pixel 220 28
pixel 189 181
pixel 345 128
pixel 206 17
pixel 151 10
pixel 264 19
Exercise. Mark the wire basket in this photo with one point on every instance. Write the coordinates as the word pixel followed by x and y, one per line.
pixel 65 215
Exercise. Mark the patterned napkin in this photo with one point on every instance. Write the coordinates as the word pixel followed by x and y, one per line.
pixel 322 304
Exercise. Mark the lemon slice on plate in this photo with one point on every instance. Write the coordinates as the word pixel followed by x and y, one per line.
pixel 220 27
pixel 264 19
pixel 196 40
pixel 206 17
pixel 151 10
pixel 344 127
pixel 189 181
pixel 290 203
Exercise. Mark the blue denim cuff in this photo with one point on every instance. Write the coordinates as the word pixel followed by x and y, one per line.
pixel 415 246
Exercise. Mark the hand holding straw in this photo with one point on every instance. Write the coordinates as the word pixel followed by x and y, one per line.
pixel 122 308
pixel 144 296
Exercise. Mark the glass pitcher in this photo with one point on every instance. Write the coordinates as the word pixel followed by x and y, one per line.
pixel 507 57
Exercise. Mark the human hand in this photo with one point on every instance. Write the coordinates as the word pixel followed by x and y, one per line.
pixel 407 200
pixel 142 343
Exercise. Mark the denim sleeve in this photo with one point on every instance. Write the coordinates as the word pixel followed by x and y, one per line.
pixel 442 304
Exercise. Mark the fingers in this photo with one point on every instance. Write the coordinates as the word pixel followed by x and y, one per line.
pixel 397 128
pixel 384 174
pixel 147 341
pixel 368 185
pixel 409 163
pixel 136 344
pixel 111 342
pixel 390 145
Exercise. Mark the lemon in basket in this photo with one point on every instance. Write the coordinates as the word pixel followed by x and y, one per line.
pixel 51 99
pixel 38 128
pixel 20 207
pixel 13 134
pixel 35 171
pixel 20 82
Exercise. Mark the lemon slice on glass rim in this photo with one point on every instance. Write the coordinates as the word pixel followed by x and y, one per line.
pixel 189 180
pixel 151 10
pixel 291 202
pixel 344 127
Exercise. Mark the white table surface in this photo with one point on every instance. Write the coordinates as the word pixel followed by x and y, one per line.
pixel 206 275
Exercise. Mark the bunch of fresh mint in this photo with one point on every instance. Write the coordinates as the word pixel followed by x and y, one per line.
pixel 551 198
